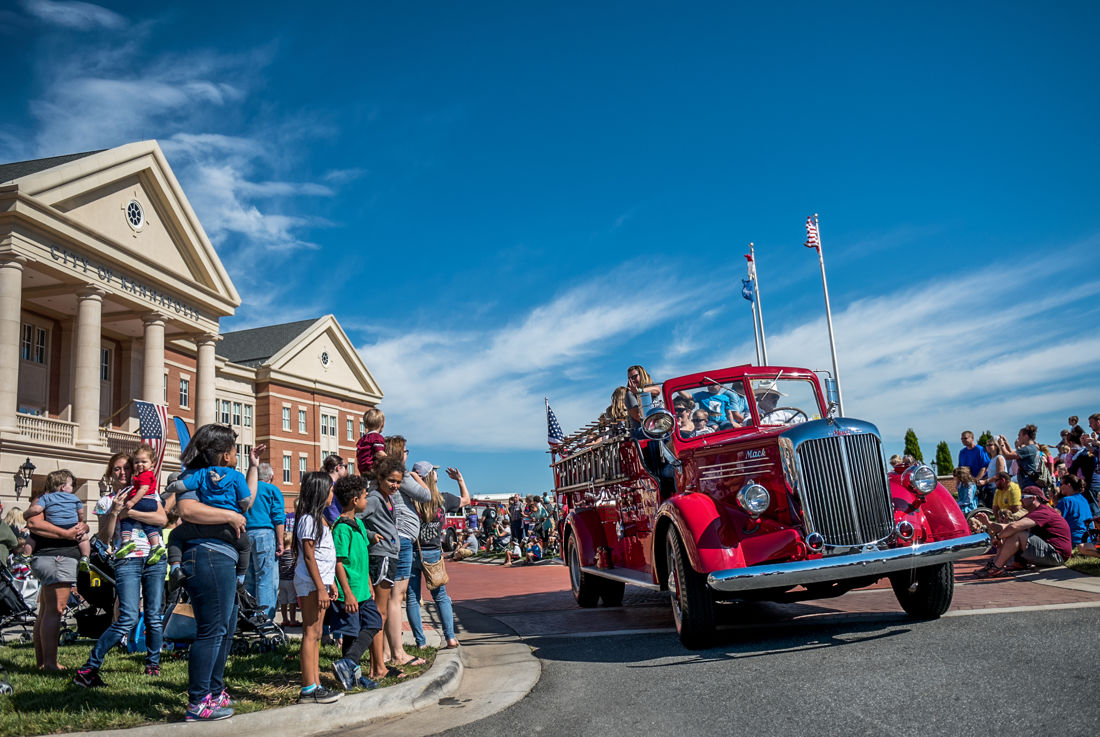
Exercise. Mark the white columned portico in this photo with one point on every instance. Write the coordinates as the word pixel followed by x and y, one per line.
pixel 11 298
pixel 152 386
pixel 86 365
pixel 204 384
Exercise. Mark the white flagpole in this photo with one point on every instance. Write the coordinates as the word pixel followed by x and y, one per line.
pixel 829 318
pixel 759 305
pixel 756 334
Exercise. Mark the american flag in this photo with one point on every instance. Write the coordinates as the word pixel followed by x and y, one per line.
pixel 813 239
pixel 153 421
pixel 554 435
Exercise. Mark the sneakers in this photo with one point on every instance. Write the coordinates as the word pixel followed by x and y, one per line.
pixel 83 565
pixel 364 682
pixel 206 711
pixel 88 678
pixel 157 553
pixel 347 672
pixel 126 549
pixel 152 670
pixel 319 695
pixel 224 701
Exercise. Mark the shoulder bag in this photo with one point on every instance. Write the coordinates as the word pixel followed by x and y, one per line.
pixel 435 574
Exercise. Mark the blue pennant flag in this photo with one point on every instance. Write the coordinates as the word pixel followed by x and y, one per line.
pixel 748 289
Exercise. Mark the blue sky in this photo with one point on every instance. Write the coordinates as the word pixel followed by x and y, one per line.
pixel 506 201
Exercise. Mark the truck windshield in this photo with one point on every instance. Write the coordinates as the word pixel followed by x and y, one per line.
pixel 710 407
pixel 785 401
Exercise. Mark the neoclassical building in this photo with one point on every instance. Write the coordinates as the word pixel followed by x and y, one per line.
pixel 110 291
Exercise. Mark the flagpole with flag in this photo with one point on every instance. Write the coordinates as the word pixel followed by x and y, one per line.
pixel 153 429
pixel 759 305
pixel 813 240
pixel 748 291
pixel 554 435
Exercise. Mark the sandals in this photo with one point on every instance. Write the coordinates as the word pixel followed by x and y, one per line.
pixel 393 672
pixel 991 570
pixel 414 662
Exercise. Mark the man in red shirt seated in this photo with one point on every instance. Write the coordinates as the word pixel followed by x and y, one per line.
pixel 1041 538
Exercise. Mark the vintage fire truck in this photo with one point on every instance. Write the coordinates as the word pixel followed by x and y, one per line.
pixel 743 483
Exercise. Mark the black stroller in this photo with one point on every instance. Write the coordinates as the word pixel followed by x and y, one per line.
pixel 97 588
pixel 16 615
pixel 255 631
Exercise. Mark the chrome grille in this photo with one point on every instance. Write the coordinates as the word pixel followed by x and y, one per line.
pixel 844 490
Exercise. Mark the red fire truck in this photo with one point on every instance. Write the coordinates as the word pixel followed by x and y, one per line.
pixel 751 488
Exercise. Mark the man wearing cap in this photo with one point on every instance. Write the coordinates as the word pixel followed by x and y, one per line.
pixel 1041 538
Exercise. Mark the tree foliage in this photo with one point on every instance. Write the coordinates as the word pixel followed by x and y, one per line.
pixel 985 438
pixel 912 446
pixel 944 463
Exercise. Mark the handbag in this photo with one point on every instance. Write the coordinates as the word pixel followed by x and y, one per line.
pixel 435 574
pixel 181 623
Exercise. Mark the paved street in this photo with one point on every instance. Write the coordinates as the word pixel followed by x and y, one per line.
pixel 847 666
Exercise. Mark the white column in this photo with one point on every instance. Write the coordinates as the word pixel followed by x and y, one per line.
pixel 152 372
pixel 86 363
pixel 204 381
pixel 11 305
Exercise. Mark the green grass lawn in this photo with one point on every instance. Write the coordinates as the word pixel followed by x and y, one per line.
pixel 44 703
pixel 1084 564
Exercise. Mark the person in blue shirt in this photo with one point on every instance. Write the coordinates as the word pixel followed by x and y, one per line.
pixel 725 409
pixel 974 457
pixel 1074 507
pixel 265 522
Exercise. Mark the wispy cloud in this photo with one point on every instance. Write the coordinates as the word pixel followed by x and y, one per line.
pixel 76 15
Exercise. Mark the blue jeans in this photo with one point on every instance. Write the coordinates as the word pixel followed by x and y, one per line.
pixel 131 577
pixel 212 587
pixel 262 578
pixel 440 596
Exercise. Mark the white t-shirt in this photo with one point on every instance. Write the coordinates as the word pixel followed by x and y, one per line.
pixel 324 552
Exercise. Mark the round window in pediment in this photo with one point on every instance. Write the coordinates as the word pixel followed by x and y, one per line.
pixel 325 359
pixel 135 215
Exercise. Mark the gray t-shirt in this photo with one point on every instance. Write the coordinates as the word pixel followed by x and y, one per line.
pixel 379 519
pixel 404 503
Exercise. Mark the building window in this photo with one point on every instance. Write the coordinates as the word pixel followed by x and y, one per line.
pixel 185 392
pixel 349 430
pixel 166 392
pixel 362 428
pixel 104 364
pixel 286 465
pixel 301 468
pixel 248 415
pixel 286 418
pixel 236 414
pixel 39 345
pixel 351 467
pixel 301 421
pixel 225 412
pixel 26 345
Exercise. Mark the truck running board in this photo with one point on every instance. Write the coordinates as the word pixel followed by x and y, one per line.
pixel 626 575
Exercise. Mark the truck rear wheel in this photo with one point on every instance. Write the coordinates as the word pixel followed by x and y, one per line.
pixel 925 593
pixel 450 540
pixel 692 601
pixel 586 587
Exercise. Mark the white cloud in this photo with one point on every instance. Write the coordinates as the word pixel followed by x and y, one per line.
pixel 76 15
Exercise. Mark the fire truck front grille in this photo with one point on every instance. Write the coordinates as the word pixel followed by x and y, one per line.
pixel 844 489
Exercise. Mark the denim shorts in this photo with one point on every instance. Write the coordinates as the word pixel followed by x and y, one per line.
pixel 347 624
pixel 404 561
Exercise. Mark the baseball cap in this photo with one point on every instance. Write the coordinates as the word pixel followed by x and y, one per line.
pixel 423 468
pixel 1036 492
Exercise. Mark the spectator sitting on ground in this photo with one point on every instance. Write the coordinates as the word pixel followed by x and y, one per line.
pixel 534 551
pixel 1006 501
pixel 967 490
pixel 1074 507
pixel 1040 538
pixel 512 553
pixel 467 547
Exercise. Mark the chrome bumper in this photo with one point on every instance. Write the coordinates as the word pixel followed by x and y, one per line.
pixel 823 570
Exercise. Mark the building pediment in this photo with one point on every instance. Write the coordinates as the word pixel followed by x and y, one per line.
pixel 129 198
pixel 324 353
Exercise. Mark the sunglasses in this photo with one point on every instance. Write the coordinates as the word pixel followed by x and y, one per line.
pixel 698 419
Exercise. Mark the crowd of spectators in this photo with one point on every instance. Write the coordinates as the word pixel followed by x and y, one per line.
pixel 523 529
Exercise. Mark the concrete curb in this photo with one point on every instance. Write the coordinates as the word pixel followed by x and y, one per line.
pixel 439 681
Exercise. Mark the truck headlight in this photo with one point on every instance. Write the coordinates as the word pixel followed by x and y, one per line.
pixel 754 499
pixel 921 479
pixel 658 424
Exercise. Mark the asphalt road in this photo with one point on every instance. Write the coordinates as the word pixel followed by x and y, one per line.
pixel 1009 673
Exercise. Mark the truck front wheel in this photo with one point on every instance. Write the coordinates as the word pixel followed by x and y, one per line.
pixel 586 587
pixel 692 602
pixel 925 593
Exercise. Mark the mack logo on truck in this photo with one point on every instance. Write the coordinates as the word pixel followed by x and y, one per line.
pixel 651 503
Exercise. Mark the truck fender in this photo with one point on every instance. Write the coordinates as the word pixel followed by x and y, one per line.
pixel 697 520
pixel 938 515
pixel 585 526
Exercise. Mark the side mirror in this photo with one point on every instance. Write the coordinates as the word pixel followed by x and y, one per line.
pixel 832 394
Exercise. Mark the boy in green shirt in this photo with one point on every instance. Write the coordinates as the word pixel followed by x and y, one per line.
pixel 354 615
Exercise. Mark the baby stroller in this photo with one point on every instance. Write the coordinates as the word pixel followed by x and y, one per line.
pixel 97 588
pixel 255 631
pixel 16 614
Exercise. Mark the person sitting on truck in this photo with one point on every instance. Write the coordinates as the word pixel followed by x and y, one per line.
pixel 638 381
pixel 700 422
pixel 725 408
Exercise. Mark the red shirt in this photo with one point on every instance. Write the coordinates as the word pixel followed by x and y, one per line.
pixel 1052 527
pixel 145 478
pixel 365 449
